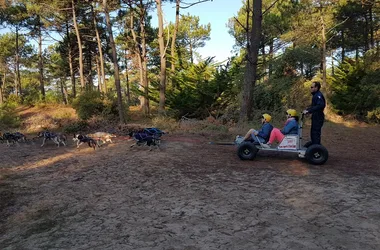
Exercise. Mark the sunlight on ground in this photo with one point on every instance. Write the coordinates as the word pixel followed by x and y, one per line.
pixel 331 116
pixel 45 162
pixel 61 157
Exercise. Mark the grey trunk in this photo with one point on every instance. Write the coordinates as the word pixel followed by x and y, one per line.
pixel 40 60
pixel 102 80
pixel 17 61
pixel 81 75
pixel 162 56
pixel 250 75
pixel 72 75
pixel 174 35
pixel 115 64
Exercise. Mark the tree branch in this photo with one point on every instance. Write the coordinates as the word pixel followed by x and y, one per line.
pixel 192 4
pixel 245 28
pixel 270 7
pixel 337 25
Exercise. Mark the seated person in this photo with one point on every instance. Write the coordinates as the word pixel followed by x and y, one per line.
pixel 291 128
pixel 263 134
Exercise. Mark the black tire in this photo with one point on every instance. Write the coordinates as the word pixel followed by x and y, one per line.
pixel 317 154
pixel 308 144
pixel 247 151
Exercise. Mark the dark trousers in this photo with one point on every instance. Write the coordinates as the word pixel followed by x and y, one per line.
pixel 316 130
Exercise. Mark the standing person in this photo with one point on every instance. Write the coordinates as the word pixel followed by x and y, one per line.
pixel 264 133
pixel 318 104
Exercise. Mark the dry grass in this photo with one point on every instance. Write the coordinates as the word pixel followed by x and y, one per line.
pixel 52 117
pixel 57 117
pixel 346 121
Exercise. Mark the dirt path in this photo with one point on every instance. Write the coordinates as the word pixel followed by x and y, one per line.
pixel 191 195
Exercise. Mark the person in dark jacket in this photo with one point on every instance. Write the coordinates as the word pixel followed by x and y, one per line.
pixel 318 104
pixel 263 134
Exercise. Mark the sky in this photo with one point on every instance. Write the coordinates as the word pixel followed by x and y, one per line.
pixel 217 14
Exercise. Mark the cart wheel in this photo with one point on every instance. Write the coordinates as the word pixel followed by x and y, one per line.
pixel 308 144
pixel 317 154
pixel 247 151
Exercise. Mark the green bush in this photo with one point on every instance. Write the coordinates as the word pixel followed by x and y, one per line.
pixel 88 104
pixel 374 115
pixel 199 90
pixel 93 103
pixel 52 97
pixel 356 90
pixel 32 96
pixel 110 110
pixel 8 117
pixel 13 101
pixel 75 127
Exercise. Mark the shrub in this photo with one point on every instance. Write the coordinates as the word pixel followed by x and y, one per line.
pixel 356 90
pixel 110 108
pixel 88 104
pixel 93 103
pixel 165 123
pixel 75 127
pixel 8 117
pixel 374 115
pixel 13 100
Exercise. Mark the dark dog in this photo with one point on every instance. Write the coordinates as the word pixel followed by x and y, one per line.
pixel 143 138
pixel 80 139
pixel 13 138
pixel 57 138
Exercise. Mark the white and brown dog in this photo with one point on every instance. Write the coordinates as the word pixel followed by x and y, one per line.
pixel 102 136
pixel 57 138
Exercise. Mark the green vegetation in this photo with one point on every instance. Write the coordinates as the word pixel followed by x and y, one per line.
pixel 8 117
pixel 334 42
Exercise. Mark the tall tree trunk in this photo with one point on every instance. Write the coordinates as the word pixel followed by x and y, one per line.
pixel 324 73
pixel 264 70
pixel 115 64
pixel 365 33
pixel 139 60
pixel 1 90
pixel 191 53
pixel 357 55
pixel 102 80
pixel 343 45
pixel 98 73
pixel 372 42
pixel 63 93
pixel 176 24
pixel 81 74
pixel 40 60
pixel 146 107
pixel 140 52
pixel 17 61
pixel 250 75
pixel 332 64
pixel 127 78
pixel 248 31
pixel 72 75
pixel 270 68
pixel 162 56
pixel 89 78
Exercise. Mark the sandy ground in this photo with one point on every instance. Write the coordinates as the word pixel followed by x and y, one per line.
pixel 191 195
